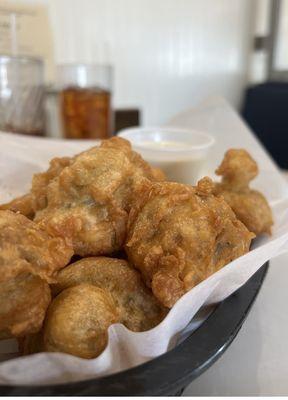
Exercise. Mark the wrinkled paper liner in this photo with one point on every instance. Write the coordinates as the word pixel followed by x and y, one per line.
pixel 19 159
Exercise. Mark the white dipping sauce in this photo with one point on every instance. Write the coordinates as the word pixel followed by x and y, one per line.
pixel 165 144
pixel 181 154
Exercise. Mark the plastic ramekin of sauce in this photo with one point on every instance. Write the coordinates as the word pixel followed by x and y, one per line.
pixel 180 153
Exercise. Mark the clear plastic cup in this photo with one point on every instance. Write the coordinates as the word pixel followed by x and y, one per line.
pixel 180 153
pixel 21 95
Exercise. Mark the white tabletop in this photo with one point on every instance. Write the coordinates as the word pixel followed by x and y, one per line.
pixel 256 363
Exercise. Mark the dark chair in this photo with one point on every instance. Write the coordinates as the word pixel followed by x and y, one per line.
pixel 265 110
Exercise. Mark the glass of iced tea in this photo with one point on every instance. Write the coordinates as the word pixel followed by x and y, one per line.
pixel 85 100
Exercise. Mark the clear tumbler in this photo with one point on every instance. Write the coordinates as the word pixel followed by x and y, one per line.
pixel 21 94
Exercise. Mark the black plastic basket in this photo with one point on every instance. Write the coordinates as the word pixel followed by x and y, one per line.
pixel 170 373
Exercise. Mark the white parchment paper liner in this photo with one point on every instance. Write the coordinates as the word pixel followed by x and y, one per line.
pixel 20 157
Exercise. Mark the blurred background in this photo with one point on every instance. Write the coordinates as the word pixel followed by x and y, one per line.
pixel 87 68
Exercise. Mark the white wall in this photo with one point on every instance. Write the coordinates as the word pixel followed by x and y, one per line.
pixel 258 67
pixel 167 54
pixel 281 56
pixel 259 59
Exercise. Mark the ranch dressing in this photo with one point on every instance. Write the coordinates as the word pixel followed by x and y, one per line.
pixel 181 154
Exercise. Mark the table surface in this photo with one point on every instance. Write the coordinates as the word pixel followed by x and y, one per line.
pixel 257 361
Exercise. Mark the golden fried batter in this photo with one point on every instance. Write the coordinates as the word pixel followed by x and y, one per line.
pixel 86 198
pixel 178 235
pixel 24 247
pixel 22 204
pixel 23 303
pixel 139 309
pixel 91 294
pixel 77 321
pixel 28 258
pixel 37 198
pixel 237 170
